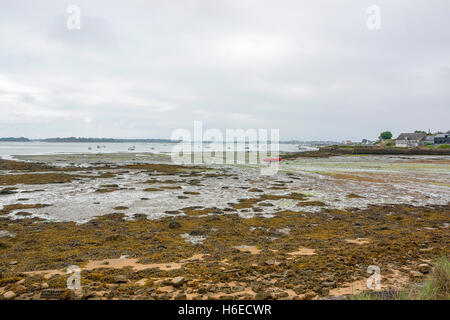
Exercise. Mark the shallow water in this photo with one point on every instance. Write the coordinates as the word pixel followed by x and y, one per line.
pixel 373 179
pixel 7 149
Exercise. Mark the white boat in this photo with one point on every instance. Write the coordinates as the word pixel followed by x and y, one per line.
pixel 132 148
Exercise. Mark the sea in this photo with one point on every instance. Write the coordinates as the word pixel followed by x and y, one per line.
pixel 10 149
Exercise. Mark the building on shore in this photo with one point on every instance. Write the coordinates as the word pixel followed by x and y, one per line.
pixel 409 139
pixel 442 138
pixel 428 140
pixel 347 143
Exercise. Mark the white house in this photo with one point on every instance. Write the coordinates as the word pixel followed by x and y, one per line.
pixel 409 139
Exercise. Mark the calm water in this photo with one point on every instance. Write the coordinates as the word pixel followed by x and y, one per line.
pixel 8 149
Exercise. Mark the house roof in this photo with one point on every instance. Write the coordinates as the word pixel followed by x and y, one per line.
pixel 411 136
pixel 442 135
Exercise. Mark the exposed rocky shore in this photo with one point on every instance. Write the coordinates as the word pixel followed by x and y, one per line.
pixel 280 239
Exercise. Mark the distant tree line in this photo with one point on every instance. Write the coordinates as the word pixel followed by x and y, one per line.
pixel 12 139
pixel 105 140
pixel 91 140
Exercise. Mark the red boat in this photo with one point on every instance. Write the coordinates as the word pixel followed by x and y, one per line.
pixel 272 159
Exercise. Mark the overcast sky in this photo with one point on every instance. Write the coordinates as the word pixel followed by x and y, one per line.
pixel 140 69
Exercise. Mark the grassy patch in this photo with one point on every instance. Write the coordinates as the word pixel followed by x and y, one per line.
pixel 436 286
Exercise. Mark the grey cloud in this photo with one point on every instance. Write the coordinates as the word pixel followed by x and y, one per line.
pixel 144 68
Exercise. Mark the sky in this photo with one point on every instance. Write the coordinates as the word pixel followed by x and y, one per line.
pixel 142 69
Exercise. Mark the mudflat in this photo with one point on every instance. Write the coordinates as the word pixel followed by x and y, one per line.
pixel 139 227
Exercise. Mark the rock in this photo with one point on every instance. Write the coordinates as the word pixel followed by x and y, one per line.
pixel 120 279
pixel 329 284
pixel 9 295
pixel 89 295
pixel 256 287
pixel 281 295
pixel 309 295
pixel 23 214
pixel 112 185
pixel 226 290
pixel 196 233
pixel 238 289
pixel 166 296
pixel 424 268
pixel 226 297
pixel 44 285
pixel 178 281
pixel 416 274
pixel 174 225
pixel 181 296
pixel 13 263
pixel 299 290
pixel 262 296
pixel 6 191
pixel 270 262
pixel 121 208
pixel 68 295
pixel 172 212
pixel 324 291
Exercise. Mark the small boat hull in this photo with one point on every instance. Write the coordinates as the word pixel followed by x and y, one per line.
pixel 272 160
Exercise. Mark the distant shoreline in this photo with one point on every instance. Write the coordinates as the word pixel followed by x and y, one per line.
pixel 90 140
pixel 112 140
